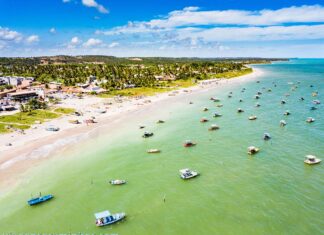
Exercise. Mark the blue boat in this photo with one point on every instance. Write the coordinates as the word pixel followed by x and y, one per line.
pixel 40 199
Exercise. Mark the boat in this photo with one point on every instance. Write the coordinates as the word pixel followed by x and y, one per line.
pixel 214 99
pixel 74 121
pixel 187 173
pixel 283 102
pixel 117 182
pixel 213 127
pixel 189 143
pixel 266 136
pixel 141 127
pixel 256 97
pixel 240 100
pixel 89 121
pixel 105 218
pixel 283 123
pixel 311 160
pixel 77 113
pixel 310 119
pixel 253 117
pixel 313 108
pixel 160 121
pixel 205 109
pixel 204 120
pixel 253 150
pixel 316 101
pixel 40 199
pixel 229 96
pixel 257 105
pixel 301 99
pixel 239 110
pixel 314 94
pixel 147 134
pixel 269 90
pixel 52 128
pixel 153 151
pixel 219 105
pixel 190 102
pixel 217 114
pixel 259 93
pixel 287 113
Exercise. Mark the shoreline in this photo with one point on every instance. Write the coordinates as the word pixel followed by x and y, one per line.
pixel 37 145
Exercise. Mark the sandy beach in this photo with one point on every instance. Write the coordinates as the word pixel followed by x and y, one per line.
pixel 37 144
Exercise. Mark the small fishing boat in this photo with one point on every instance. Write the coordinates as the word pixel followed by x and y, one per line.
pixel 89 121
pixel 160 121
pixel 239 110
pixel 316 101
pixel 117 182
pixel 287 113
pixel 153 151
pixel 105 218
pixel 253 150
pixel 257 105
pixel 229 96
pixel 77 114
pixel 301 99
pixel 310 119
pixel 214 99
pixel 205 109
pixel 74 121
pixel 189 143
pixel 253 117
pixel 314 94
pixel 256 97
pixel 204 120
pixel 190 102
pixel 141 127
pixel 283 102
pixel 283 123
pixel 269 90
pixel 266 136
pixel 217 114
pixel 213 127
pixel 147 134
pixel 240 100
pixel 52 128
pixel 40 199
pixel 187 173
pixel 311 160
pixel 219 105
pixel 313 108
pixel 259 93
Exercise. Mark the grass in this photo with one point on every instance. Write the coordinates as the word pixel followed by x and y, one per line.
pixel 64 110
pixel 24 120
pixel 232 74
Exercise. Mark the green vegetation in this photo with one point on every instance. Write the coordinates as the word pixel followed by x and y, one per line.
pixel 33 104
pixel 232 74
pixel 64 110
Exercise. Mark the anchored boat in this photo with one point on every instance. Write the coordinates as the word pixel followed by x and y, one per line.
pixel 147 134
pixel 117 182
pixel 40 199
pixel 253 150
pixel 311 160
pixel 153 151
pixel 187 173
pixel 105 218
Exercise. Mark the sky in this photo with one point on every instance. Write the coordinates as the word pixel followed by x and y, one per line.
pixel 172 28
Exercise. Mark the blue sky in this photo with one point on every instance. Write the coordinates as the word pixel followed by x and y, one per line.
pixel 203 28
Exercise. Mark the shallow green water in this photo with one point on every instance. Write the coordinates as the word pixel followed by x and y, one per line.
pixel 270 193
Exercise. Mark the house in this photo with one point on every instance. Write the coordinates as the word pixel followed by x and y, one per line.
pixel 22 95
pixel 170 77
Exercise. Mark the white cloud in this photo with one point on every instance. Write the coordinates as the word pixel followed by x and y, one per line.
pixel 52 30
pixel 93 3
pixel 113 44
pixel 32 39
pixel 75 41
pixel 92 42
pixel 9 35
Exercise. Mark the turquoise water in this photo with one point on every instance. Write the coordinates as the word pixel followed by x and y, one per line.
pixel 273 192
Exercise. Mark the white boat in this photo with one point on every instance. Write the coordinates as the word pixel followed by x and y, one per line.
pixel 283 123
pixel 311 160
pixel 213 127
pixel 310 119
pixel 217 114
pixel 287 113
pixel 253 117
pixel 316 101
pixel 204 120
pixel 253 150
pixel 105 218
pixel 187 173
pixel 117 182
pixel 153 151
pixel 52 128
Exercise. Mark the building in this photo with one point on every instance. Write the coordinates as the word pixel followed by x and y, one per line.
pixel 22 95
